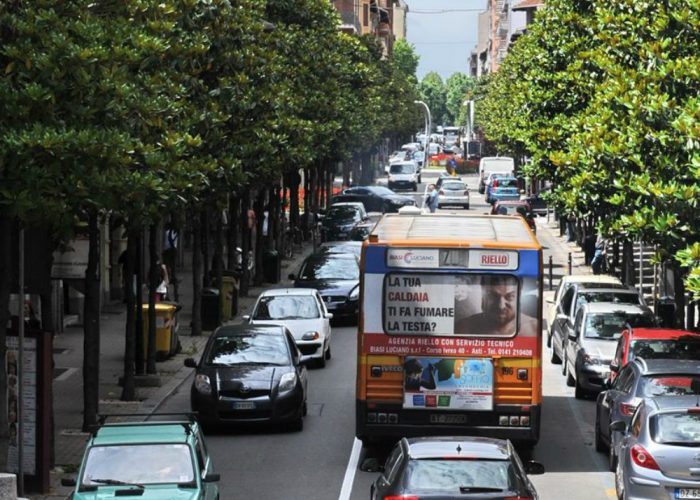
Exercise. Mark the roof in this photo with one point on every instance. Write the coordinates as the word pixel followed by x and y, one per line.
pixel 246 328
pixel 469 447
pixel 668 366
pixel 590 278
pixel 454 230
pixel 141 432
pixel 661 333
pixel 347 204
pixel 611 307
pixel 288 291
pixel 529 4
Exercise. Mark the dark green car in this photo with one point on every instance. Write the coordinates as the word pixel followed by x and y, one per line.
pixel 149 460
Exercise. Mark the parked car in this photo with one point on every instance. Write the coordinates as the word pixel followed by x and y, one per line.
pixel 303 313
pixel 489 164
pixel 515 207
pixel 149 460
pixel 590 345
pixel 577 295
pixel 567 281
pixel 361 231
pixel 454 468
pixel 336 277
pixel 418 157
pixel 453 193
pixel 654 343
pixel 250 374
pixel 404 175
pixel 537 201
pixel 340 219
pixel 503 188
pixel 640 379
pixel 342 247
pixel 491 177
pixel 659 451
pixel 375 198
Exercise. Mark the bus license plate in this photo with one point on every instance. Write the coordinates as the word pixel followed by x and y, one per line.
pixel 451 419
pixel 244 406
pixel 687 492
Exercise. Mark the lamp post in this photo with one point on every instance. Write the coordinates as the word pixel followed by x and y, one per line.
pixel 429 126
pixel 469 103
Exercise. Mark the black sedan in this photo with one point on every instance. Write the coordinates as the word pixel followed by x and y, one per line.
pixel 444 468
pixel 340 220
pixel 250 373
pixel 375 198
pixel 336 277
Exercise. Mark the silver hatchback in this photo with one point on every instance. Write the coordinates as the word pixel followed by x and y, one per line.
pixel 660 451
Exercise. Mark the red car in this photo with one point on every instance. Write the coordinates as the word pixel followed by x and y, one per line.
pixel 513 207
pixel 654 343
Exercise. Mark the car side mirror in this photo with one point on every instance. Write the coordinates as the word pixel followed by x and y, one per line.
pixel 292 276
pixel 246 317
pixel 68 481
pixel 371 465
pixel 190 363
pixel 329 315
pixel 533 468
pixel 618 426
pixel 211 478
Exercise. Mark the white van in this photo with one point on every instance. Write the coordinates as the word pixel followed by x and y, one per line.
pixel 494 164
pixel 404 175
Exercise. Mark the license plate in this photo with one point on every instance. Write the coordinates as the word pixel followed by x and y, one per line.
pixel 244 406
pixel 687 492
pixel 451 419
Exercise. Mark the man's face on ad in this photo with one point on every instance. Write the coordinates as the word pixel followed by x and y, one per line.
pixel 500 302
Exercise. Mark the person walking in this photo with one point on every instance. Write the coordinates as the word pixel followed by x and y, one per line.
pixel 431 200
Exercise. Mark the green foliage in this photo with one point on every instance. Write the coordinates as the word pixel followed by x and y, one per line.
pixel 432 91
pixel 457 88
pixel 406 59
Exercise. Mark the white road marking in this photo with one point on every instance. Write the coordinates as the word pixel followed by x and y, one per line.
pixel 349 478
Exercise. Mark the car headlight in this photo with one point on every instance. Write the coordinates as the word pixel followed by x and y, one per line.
pixel 288 382
pixel 310 336
pixel 202 384
pixel 355 293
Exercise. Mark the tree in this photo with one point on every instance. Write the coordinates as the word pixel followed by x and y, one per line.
pixel 405 59
pixel 457 87
pixel 432 91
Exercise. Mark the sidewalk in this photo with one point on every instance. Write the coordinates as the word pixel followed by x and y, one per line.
pixel 67 381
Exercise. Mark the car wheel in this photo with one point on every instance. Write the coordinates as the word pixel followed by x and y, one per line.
pixel 304 409
pixel 328 353
pixel 570 380
pixel 579 392
pixel 599 444
pixel 321 362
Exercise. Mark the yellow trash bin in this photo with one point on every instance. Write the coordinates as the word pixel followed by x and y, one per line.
pixel 229 287
pixel 166 336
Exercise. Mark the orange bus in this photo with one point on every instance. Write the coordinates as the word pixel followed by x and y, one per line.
pixel 450 330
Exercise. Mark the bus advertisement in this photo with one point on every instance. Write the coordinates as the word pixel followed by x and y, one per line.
pixel 449 339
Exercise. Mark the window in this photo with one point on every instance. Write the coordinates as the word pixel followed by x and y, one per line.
pixel 286 307
pixel 667 385
pixel 365 15
pixel 623 379
pixel 392 463
pixel 565 305
pixel 246 349
pixel 636 424
pixel 448 476
pixel 676 428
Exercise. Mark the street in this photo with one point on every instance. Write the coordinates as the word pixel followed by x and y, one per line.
pixel 319 463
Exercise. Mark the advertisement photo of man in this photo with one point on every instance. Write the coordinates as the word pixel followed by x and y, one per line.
pixel 499 316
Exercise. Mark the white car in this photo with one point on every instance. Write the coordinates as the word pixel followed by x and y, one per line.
pixel 404 175
pixel 303 312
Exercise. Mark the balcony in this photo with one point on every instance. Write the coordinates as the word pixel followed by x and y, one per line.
pixel 350 23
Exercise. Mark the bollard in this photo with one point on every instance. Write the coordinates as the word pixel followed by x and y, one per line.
pixel 551 265
pixel 8 486
pixel 570 263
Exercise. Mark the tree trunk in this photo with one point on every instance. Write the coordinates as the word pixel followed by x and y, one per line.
pixel 234 204
pixel 139 357
pixel 206 276
pixel 346 174
pixel 245 243
pixel 259 238
pixel 91 327
pixel 307 198
pixel 294 220
pixel 679 294
pixel 128 385
pixel 196 274
pixel 218 267
pixel 154 279
pixel 5 285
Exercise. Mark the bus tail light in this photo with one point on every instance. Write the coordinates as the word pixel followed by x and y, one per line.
pixel 525 421
pixel 503 420
pixel 514 420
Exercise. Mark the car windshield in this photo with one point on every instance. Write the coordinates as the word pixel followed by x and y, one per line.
pixel 343 213
pixel 330 267
pixel 450 475
pixel 681 428
pixel 680 348
pixel 138 464
pixel 615 297
pixel 287 307
pixel 247 349
pixel 667 385
pixel 454 186
pixel 402 168
pixel 609 326
pixel 355 250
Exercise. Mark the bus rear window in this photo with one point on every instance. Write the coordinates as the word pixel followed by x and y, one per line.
pixel 481 305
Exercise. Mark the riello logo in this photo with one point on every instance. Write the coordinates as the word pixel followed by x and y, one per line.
pixel 494 259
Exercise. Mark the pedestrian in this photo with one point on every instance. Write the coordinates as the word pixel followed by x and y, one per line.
pixel 164 281
pixel 452 166
pixel 598 261
pixel 170 252
pixel 431 200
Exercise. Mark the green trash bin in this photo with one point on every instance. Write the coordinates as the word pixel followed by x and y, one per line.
pixel 211 309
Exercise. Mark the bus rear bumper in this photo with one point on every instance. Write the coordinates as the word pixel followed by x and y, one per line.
pixel 390 423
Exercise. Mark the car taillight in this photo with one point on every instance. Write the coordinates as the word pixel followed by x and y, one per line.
pixel 627 409
pixel 643 458
pixel 494 183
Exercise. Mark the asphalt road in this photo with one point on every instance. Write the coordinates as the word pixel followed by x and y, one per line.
pixel 320 463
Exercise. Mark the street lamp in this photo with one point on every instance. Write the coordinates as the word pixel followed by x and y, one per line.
pixel 469 103
pixel 429 126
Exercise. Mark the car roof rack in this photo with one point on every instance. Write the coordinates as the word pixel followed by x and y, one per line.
pixel 191 417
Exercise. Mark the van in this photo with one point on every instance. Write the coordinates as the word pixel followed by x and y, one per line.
pixel 403 176
pixel 494 164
